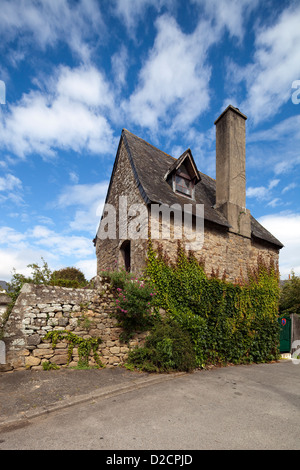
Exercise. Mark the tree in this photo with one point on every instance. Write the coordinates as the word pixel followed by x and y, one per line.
pixel 70 274
pixel 290 295
pixel 39 275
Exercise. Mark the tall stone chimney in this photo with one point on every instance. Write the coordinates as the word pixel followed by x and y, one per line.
pixel 231 170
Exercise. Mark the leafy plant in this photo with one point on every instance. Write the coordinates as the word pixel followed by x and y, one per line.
pixel 68 277
pixel 118 279
pixel 226 322
pixel 289 301
pixel 168 347
pixel 134 306
pixel 47 365
pixel 85 345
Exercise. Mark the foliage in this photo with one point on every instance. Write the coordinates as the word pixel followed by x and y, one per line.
pixel 168 347
pixel 227 322
pixel 134 302
pixel 47 365
pixel 39 275
pixel 68 277
pixel 289 301
pixel 84 345
pixel 118 279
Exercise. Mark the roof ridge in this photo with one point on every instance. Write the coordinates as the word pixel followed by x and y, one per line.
pixel 145 141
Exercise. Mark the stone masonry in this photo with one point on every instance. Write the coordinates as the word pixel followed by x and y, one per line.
pixel 84 312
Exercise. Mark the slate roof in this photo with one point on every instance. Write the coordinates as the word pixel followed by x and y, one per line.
pixel 150 165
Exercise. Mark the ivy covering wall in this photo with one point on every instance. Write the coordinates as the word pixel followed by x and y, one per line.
pixel 227 323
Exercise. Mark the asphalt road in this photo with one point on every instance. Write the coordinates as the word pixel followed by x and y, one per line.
pixel 240 407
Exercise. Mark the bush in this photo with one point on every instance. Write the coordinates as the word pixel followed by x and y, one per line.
pixel 134 307
pixel 167 348
pixel 118 279
pixel 68 277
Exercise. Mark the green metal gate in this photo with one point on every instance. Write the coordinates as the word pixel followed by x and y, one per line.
pixel 285 323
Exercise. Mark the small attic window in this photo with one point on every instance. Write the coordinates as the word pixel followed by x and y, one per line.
pixel 183 175
pixel 183 182
pixel 183 185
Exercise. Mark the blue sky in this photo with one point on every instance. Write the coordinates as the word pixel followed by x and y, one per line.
pixel 77 72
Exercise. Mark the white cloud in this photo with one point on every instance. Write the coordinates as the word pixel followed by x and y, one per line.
pixel 173 85
pixel 277 146
pixel 285 227
pixel 120 62
pixel 70 115
pixel 11 189
pixel 131 11
pixel 88 267
pixel 262 192
pixel 82 194
pixel 289 187
pixel 43 23
pixel 85 85
pixel 287 129
pixel 89 198
pixel 274 202
pixel 73 177
pixel 229 14
pixel 276 64
pixel 9 182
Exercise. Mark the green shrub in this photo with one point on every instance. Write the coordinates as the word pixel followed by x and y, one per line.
pixel 167 348
pixel 134 300
pixel 118 279
pixel 68 277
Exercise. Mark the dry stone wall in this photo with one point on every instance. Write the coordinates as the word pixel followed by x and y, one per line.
pixel 84 312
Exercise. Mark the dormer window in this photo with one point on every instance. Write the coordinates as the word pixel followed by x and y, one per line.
pixel 183 183
pixel 183 175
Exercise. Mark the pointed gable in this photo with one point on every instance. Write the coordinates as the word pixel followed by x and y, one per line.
pixel 185 164
pixel 183 175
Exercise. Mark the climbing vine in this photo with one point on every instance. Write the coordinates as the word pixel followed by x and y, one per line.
pixel 227 322
pixel 84 345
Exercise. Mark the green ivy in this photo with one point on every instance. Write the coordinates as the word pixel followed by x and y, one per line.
pixel 227 322
pixel 85 345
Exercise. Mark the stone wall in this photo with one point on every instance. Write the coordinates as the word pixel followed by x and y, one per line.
pixel 84 312
pixel 109 255
pixel 224 251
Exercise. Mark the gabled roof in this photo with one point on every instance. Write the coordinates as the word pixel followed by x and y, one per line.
pixel 186 157
pixel 150 166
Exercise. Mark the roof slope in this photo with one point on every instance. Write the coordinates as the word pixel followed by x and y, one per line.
pixel 150 165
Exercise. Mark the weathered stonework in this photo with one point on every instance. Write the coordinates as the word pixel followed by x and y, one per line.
pixel 108 252
pixel 84 312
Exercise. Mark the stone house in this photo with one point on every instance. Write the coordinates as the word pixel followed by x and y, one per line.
pixel 147 182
